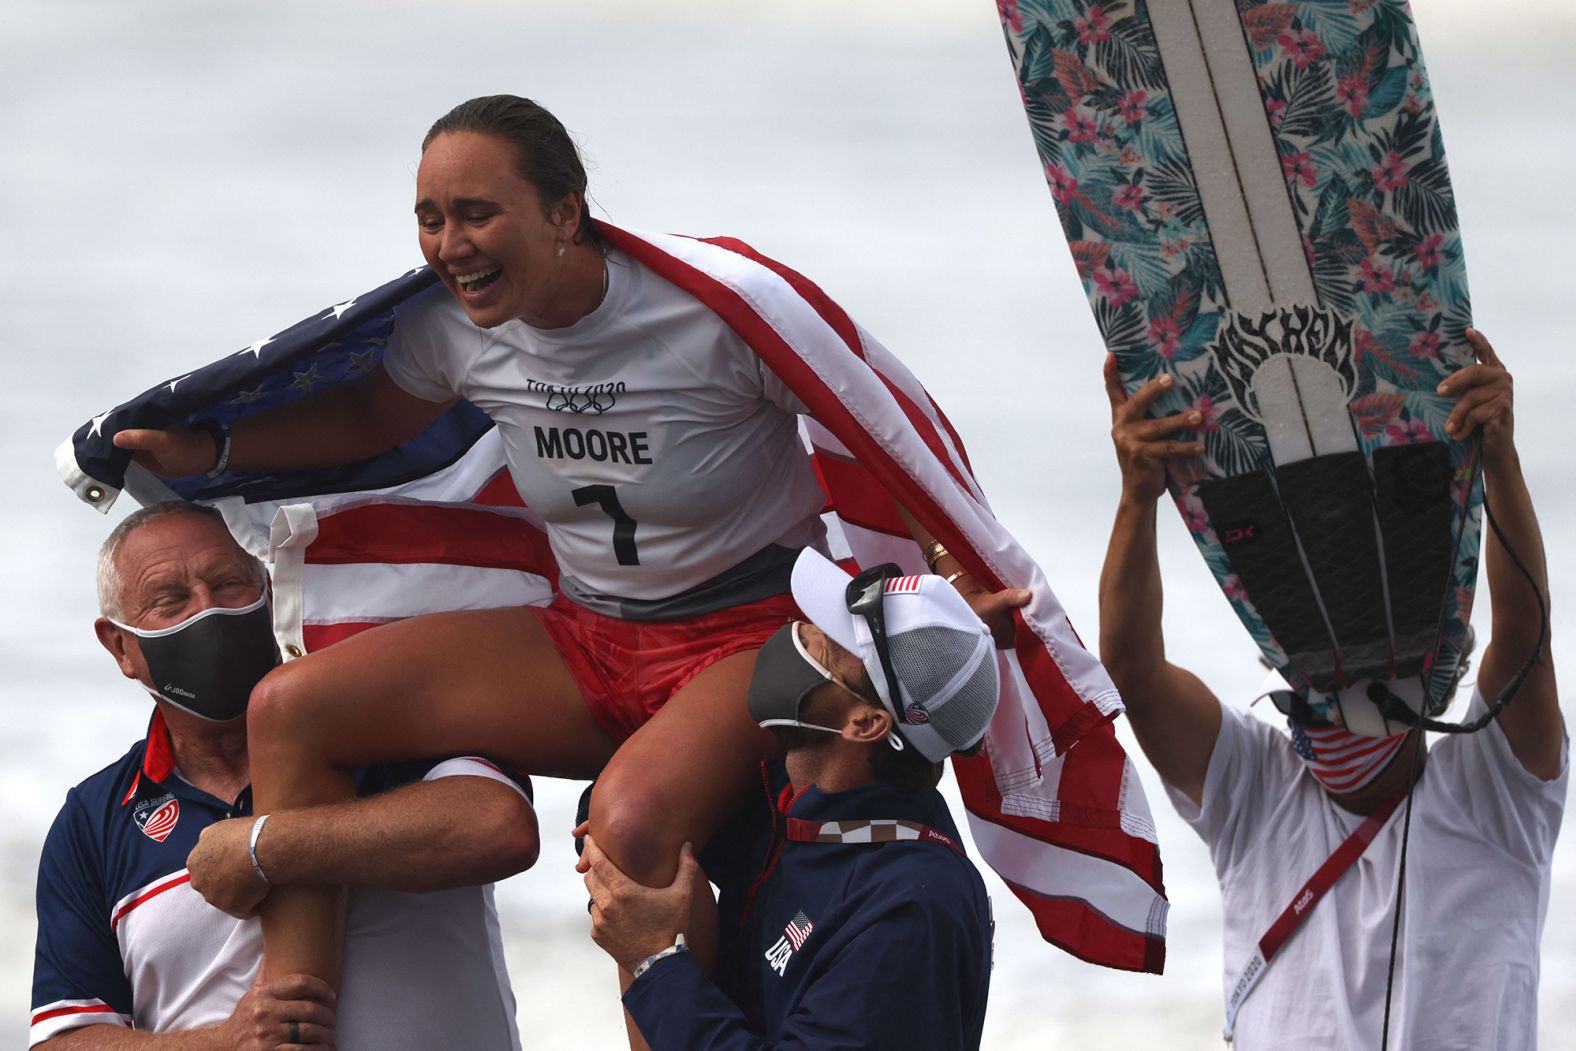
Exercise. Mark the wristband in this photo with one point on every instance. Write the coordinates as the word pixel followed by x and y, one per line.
pixel 934 552
pixel 672 950
pixel 221 444
pixel 251 849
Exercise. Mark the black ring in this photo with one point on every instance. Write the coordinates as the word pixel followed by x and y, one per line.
pixel 295 1032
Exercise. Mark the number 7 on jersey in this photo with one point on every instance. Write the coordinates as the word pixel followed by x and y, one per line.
pixel 606 497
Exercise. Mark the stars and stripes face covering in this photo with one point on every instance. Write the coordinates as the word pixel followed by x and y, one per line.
pixel 1341 760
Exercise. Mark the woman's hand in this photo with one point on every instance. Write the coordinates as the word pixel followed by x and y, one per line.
pixel 173 452
pixel 993 607
pixel 1143 446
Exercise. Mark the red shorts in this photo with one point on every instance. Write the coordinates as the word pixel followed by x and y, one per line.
pixel 627 669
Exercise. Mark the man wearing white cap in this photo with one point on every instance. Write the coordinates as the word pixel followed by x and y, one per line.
pixel 1308 829
pixel 850 915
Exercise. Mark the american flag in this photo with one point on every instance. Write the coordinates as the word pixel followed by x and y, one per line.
pixel 798 929
pixel 1054 804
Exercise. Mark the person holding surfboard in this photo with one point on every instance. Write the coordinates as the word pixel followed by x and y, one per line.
pixel 1294 819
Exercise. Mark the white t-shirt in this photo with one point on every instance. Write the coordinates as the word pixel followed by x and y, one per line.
pixel 1477 888
pixel 426 970
pixel 648 410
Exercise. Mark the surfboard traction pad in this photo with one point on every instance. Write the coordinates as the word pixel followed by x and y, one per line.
pixel 1347 99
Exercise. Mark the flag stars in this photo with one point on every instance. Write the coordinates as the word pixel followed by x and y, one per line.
pixel 182 379
pixel 98 425
pixel 256 349
pixel 340 308
pixel 247 397
pixel 307 379
pixel 361 363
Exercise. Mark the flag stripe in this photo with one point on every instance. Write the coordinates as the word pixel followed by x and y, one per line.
pixel 868 504
pixel 848 332
pixel 406 533
pixel 346 593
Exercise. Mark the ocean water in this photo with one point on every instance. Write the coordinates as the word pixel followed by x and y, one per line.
pixel 181 179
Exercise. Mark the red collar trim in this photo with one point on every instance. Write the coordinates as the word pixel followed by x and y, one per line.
pixel 158 756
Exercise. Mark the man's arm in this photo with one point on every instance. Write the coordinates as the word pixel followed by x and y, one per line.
pixel 1531 722
pixel 1174 716
pixel 453 831
pixel 260 1022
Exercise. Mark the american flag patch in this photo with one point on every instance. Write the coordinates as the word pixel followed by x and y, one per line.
pixel 158 824
pixel 798 929
pixel 903 585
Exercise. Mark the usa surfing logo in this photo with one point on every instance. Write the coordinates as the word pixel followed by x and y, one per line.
pixel 156 818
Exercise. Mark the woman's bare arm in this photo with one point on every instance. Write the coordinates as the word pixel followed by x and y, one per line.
pixel 344 424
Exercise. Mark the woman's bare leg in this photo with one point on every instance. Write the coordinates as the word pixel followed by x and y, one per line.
pixel 485 682
pixel 677 780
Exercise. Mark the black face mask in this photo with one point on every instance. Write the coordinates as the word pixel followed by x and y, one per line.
pixel 208 663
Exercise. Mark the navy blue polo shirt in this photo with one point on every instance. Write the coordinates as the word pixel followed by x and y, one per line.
pixel 122 936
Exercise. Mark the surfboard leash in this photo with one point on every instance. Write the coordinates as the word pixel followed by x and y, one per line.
pixel 1422 724
pixel 1392 707
pixel 1400 883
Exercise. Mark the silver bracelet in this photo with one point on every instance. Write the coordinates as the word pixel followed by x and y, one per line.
pixel 257 830
pixel 224 454
pixel 672 950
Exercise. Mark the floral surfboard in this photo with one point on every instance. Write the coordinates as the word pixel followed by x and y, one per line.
pixel 1256 198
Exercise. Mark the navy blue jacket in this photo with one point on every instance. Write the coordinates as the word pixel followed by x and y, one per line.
pixel 831 945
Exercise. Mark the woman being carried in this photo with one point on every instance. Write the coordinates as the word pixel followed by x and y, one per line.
pixel 664 459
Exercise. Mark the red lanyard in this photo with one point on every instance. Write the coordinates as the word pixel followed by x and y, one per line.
pixel 1302 903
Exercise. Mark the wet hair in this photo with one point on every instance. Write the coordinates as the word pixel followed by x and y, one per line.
pixel 111 588
pixel 545 155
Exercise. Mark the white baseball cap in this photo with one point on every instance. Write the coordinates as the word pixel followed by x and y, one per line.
pixel 941 659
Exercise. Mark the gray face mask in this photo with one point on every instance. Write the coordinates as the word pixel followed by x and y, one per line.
pixel 208 663
pixel 785 673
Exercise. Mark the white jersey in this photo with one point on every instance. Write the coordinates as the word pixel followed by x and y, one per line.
pixel 654 443
pixel 1477 888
